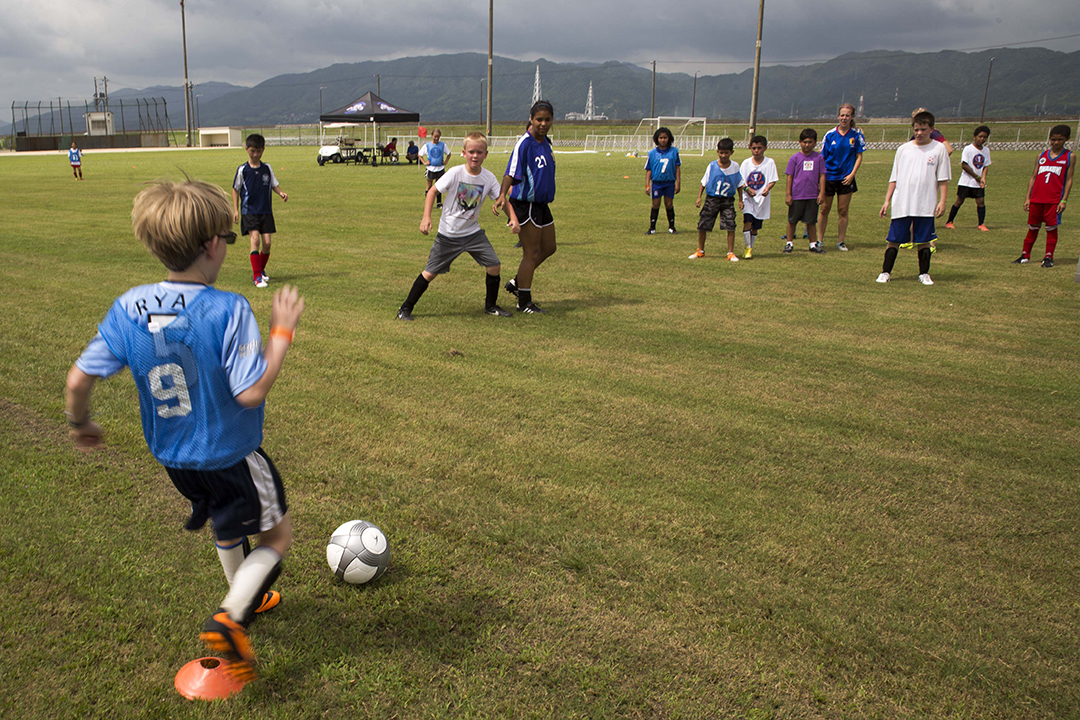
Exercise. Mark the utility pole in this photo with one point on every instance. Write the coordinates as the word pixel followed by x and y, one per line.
pixel 187 87
pixel 693 102
pixel 378 85
pixel 982 114
pixel 757 70
pixel 491 15
pixel 652 107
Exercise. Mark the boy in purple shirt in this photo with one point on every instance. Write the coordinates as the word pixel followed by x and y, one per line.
pixel 805 190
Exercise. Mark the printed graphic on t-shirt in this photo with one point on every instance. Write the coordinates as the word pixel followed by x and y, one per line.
pixel 469 196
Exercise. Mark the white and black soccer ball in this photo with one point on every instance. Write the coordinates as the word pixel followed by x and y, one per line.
pixel 358 552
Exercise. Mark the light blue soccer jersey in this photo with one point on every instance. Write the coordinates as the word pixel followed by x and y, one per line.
pixel 436 154
pixel 662 164
pixel 75 156
pixel 719 182
pixel 532 168
pixel 191 350
pixel 841 151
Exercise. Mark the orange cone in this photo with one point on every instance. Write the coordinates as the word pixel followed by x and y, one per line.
pixel 206 679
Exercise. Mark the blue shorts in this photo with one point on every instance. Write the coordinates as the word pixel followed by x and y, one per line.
pixel 917 230
pixel 663 190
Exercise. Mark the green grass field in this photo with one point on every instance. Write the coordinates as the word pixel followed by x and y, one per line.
pixel 770 489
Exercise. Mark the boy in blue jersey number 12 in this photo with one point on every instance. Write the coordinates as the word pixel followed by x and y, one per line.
pixel 721 183
pixel 663 178
pixel 198 362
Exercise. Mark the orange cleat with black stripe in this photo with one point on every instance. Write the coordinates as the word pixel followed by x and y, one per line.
pixel 224 635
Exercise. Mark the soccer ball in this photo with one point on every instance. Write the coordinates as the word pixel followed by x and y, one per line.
pixel 609 155
pixel 358 552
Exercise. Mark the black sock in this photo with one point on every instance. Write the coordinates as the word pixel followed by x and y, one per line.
pixel 492 287
pixel 952 212
pixel 524 297
pixel 670 217
pixel 982 214
pixel 890 259
pixel 418 287
pixel 924 259
pixel 653 214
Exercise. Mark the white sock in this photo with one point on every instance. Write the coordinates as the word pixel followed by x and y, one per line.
pixel 748 238
pixel 250 582
pixel 231 557
pixel 753 237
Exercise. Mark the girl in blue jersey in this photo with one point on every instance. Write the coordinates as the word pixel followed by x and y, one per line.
pixel 663 178
pixel 529 185
pixel 842 149
pixel 202 374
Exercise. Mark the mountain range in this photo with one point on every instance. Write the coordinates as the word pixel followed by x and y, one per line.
pixel 445 88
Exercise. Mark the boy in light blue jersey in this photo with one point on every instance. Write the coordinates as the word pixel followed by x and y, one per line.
pixel 721 183
pixel 434 155
pixel 75 158
pixel 663 178
pixel 198 363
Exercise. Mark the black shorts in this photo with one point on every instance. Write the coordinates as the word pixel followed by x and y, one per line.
pixel 434 175
pixel 755 223
pixel 837 187
pixel 716 206
pixel 804 211
pixel 263 224
pixel 963 192
pixel 244 499
pixel 537 213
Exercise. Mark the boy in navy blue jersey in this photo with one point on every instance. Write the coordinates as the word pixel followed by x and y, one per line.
pixel 721 183
pixel 663 178
pixel 252 184
pixel 198 363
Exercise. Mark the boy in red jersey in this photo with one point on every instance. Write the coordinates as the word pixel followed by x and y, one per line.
pixel 1048 191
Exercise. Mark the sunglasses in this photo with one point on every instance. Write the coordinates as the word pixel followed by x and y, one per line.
pixel 228 236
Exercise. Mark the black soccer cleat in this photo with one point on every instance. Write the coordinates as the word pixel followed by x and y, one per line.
pixel 404 314
pixel 511 286
pixel 1048 262
pixel 1022 260
pixel 530 309
pixel 497 311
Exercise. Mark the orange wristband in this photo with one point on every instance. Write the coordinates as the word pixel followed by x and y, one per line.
pixel 278 331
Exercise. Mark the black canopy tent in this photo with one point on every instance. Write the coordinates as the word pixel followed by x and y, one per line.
pixel 368 108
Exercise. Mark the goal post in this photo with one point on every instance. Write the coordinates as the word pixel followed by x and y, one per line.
pixel 688 132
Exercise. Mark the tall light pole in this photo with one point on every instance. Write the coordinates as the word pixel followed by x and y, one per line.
pixel 481 101
pixel 198 122
pixel 491 17
pixel 757 70
pixel 652 105
pixel 982 113
pixel 187 83
pixel 693 103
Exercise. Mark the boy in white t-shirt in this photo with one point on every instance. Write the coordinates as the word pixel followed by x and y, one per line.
pixel 917 188
pixel 759 174
pixel 465 187
pixel 974 162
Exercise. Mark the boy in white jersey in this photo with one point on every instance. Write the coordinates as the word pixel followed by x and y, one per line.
pixel 465 187
pixel 759 174
pixel 974 162
pixel 196 357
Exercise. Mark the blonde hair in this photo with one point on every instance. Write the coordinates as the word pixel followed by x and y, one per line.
pixel 475 136
pixel 176 220
pixel 850 107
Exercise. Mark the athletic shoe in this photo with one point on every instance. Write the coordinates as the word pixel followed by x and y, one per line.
pixel 1022 260
pixel 816 248
pixel 784 236
pixel 270 600
pixel 403 314
pixel 925 279
pixel 950 226
pixel 732 257
pixel 984 228
pixel 788 247
pixel 511 286
pixel 905 246
pixel 438 205
pixel 530 309
pixel 497 311
pixel 672 231
pixel 805 235
pixel 266 277
pixel 884 278
pixel 749 253
pixel 933 248
pixel 517 244
pixel 1048 261
pixel 223 635
pixel 260 282
pixel 650 231
pixel 841 247
pixel 697 254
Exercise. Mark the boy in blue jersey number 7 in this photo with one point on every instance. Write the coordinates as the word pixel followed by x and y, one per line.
pixel 198 362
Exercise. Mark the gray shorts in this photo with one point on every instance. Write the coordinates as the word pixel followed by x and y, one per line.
pixel 446 249
pixel 713 207
pixel 804 211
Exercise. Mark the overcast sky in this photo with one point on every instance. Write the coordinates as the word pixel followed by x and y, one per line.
pixel 55 48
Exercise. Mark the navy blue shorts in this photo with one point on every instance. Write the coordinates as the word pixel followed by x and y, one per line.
pixel 244 499
pixel 755 224
pixel 264 224
pixel 917 230
pixel 663 190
